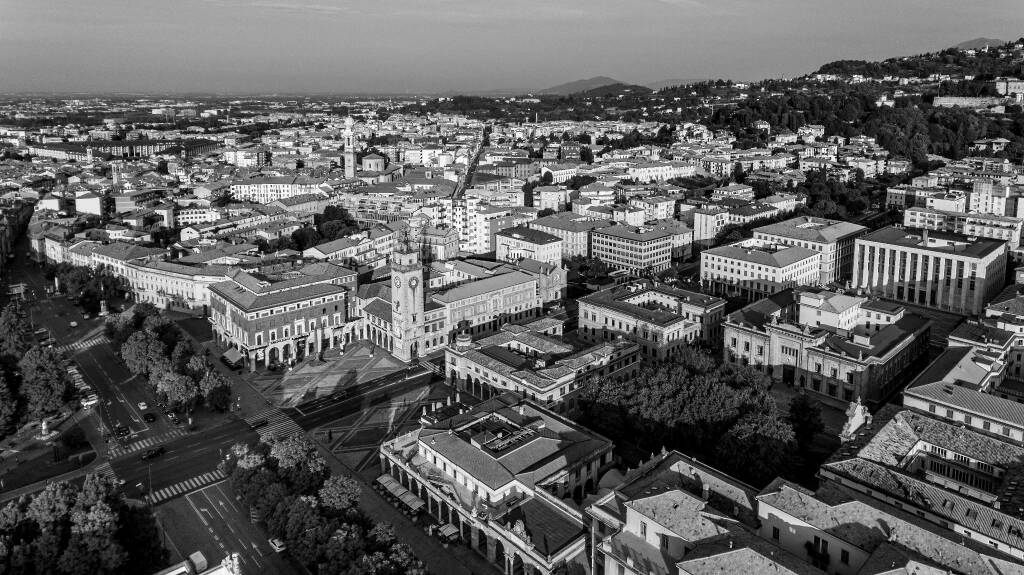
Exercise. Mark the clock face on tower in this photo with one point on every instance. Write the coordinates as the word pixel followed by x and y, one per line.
pixel 413 283
pixel 398 282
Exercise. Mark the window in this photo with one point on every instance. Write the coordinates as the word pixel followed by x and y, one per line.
pixel 643 529
pixel 663 540
pixel 775 533
pixel 844 557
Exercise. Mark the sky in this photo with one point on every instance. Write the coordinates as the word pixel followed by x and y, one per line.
pixel 438 46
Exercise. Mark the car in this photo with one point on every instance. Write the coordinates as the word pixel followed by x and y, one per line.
pixel 174 418
pixel 258 423
pixel 276 544
pixel 143 406
pixel 122 431
pixel 149 418
pixel 153 453
pixel 73 324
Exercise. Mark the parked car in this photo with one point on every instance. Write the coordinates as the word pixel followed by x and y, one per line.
pixel 122 431
pixel 73 324
pixel 276 544
pixel 153 453
pixel 149 418
pixel 143 406
pixel 90 401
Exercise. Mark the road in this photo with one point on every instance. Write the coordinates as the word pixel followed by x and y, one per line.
pixel 186 458
pixel 318 412
pixel 214 523
pixel 119 390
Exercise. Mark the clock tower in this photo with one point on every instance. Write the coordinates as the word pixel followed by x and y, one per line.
pixel 407 301
pixel 350 149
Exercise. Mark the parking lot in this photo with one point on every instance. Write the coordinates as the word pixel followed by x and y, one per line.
pixel 214 523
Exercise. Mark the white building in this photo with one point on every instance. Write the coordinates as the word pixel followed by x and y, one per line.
pixel 832 238
pixel 756 268
pixel 945 271
pixel 514 244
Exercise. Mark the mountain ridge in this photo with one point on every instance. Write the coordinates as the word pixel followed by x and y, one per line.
pixel 579 86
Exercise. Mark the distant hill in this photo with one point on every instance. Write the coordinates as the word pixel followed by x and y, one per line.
pixel 670 82
pixel 579 86
pixel 978 43
pixel 615 89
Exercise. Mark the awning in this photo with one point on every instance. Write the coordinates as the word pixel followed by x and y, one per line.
pixel 449 530
pixel 232 355
pixel 414 503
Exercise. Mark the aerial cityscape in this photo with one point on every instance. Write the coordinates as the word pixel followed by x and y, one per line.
pixel 257 323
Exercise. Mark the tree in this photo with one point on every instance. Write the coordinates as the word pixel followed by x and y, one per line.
pixel 296 450
pixel 14 332
pixel 336 229
pixel 805 419
pixel 758 447
pixel 305 238
pixel 142 351
pixel 738 175
pixel 586 155
pixel 216 390
pixel 197 368
pixel 340 493
pixel 44 383
pixel 92 547
pixel 183 352
pixel 547 177
pixel 179 389
pixel 546 212
pixel 8 409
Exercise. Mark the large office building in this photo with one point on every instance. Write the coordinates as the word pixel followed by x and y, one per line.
pixel 757 268
pixel 268 322
pixel 838 348
pixel 507 475
pixel 945 271
pixel 834 239
pixel 658 317
pixel 633 249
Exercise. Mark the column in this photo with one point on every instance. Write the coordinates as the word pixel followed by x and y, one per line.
pixel 507 563
pixel 491 551
pixel 251 357
pixel 474 537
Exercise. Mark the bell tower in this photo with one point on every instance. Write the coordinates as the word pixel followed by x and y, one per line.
pixel 350 149
pixel 407 301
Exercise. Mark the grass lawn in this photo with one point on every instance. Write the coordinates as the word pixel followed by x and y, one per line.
pixel 44 468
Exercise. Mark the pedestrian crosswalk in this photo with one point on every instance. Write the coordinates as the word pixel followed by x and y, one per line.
pixel 116 450
pixel 186 486
pixel 106 470
pixel 84 344
pixel 278 424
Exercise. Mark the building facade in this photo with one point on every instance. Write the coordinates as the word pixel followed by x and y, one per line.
pixel 945 271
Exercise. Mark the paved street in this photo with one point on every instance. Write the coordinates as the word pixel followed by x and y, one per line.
pixel 214 523
pixel 186 458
